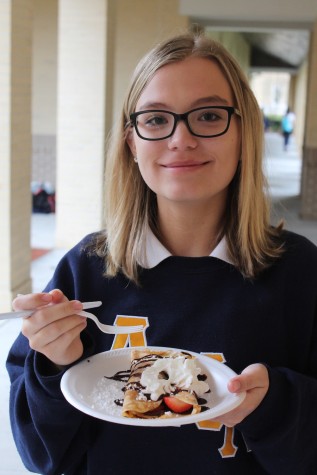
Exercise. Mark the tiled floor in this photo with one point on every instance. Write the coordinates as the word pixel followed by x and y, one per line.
pixel 283 171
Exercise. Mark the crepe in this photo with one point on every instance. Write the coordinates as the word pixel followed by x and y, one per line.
pixel 136 403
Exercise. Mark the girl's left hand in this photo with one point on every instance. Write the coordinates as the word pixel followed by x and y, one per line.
pixel 255 381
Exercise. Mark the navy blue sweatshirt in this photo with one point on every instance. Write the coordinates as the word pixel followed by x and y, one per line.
pixel 202 305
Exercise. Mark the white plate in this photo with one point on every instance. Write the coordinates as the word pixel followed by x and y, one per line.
pixel 86 388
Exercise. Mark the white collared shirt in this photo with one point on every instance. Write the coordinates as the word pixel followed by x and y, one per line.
pixel 155 252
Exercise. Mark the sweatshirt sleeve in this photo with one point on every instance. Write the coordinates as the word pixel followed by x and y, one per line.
pixel 282 431
pixel 49 433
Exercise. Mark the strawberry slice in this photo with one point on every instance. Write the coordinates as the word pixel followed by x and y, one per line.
pixel 176 405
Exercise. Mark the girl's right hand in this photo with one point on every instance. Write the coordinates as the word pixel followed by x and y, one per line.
pixel 54 328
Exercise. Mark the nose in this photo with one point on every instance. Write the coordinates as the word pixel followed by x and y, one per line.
pixel 182 138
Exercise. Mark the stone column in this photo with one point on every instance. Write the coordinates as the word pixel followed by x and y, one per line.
pixel 141 24
pixel 84 88
pixel 99 43
pixel 309 170
pixel 15 149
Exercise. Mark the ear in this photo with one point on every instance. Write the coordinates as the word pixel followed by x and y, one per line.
pixel 130 141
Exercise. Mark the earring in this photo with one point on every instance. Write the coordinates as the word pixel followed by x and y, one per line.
pixel 135 159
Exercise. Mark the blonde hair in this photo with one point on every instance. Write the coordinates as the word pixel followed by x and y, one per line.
pixel 130 206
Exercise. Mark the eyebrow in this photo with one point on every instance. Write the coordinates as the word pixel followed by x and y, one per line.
pixel 214 100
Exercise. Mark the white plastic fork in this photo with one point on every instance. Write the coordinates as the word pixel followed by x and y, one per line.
pixel 28 313
pixel 111 329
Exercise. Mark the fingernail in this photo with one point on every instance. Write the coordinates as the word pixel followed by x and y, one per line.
pixel 46 297
pixel 235 386
pixel 77 305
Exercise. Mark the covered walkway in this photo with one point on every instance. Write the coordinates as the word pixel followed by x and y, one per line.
pixel 65 70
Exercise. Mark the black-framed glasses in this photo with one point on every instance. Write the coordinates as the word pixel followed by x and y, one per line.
pixel 206 122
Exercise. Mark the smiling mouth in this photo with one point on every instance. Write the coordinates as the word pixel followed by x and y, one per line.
pixel 183 165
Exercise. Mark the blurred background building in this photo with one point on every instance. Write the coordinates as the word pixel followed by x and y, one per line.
pixel 65 65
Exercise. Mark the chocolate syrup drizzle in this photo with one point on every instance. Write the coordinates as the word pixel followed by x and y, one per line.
pixel 135 372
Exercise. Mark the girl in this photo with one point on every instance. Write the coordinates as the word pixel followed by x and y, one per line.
pixel 189 249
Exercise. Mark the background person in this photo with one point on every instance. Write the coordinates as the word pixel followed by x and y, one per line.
pixel 287 125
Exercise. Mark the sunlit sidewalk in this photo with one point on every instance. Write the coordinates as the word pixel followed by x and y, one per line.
pixel 283 171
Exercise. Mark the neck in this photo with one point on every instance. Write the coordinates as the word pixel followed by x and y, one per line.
pixel 189 230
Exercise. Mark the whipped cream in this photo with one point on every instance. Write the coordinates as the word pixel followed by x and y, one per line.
pixel 168 375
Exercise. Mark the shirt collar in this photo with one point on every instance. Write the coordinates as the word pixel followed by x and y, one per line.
pixel 155 252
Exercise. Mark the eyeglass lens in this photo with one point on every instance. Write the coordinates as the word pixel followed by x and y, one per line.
pixel 206 122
